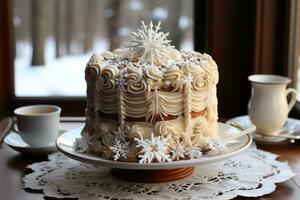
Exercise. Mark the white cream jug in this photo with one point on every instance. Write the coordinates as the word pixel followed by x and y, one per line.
pixel 268 107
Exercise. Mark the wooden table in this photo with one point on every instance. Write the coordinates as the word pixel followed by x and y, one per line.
pixel 13 167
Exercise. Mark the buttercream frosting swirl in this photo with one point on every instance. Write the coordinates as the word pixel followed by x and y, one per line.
pixel 210 66
pixel 110 71
pixel 154 76
pixel 135 82
pixel 175 78
pixel 107 54
pixel 107 92
pixel 202 80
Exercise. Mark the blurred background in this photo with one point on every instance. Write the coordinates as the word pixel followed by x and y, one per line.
pixel 45 44
pixel 53 39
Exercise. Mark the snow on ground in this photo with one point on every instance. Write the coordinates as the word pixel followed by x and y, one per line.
pixel 59 77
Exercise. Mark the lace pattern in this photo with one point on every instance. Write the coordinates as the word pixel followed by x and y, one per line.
pixel 250 174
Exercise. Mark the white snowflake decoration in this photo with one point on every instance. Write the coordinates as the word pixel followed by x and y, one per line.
pixel 149 45
pixel 214 144
pixel 177 152
pixel 153 150
pixel 120 149
pixel 194 152
pixel 81 145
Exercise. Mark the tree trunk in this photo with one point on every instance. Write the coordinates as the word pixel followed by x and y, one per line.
pixel 89 25
pixel 38 28
pixel 69 21
pixel 114 23
pixel 173 23
pixel 59 28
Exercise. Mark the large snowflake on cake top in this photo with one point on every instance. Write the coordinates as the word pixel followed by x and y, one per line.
pixel 153 150
pixel 149 45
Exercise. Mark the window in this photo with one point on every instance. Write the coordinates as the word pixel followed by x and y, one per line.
pixel 53 39
pixel 239 35
pixel 294 45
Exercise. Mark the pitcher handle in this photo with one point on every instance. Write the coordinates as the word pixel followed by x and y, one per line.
pixel 293 99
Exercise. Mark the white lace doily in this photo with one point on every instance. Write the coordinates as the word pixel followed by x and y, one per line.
pixel 251 174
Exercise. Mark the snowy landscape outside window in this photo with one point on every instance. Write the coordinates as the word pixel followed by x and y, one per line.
pixel 54 39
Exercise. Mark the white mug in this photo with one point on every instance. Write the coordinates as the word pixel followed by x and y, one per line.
pixel 38 125
pixel 268 108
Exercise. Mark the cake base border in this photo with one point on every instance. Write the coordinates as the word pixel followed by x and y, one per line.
pixel 152 176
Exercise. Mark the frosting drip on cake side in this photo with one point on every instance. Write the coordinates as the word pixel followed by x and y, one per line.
pixel 150 88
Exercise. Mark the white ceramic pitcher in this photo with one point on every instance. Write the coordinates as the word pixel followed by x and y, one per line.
pixel 268 107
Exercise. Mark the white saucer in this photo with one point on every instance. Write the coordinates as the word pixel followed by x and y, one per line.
pixel 66 140
pixel 291 125
pixel 14 141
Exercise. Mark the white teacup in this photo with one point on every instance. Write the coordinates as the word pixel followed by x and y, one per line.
pixel 268 107
pixel 38 125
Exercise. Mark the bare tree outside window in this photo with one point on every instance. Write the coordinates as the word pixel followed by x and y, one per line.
pixel 57 37
pixel 38 31
pixel 59 29
pixel 113 22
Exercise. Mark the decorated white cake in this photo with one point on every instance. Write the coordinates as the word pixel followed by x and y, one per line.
pixel 149 102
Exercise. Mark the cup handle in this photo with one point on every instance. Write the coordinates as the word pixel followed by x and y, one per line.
pixel 14 127
pixel 293 99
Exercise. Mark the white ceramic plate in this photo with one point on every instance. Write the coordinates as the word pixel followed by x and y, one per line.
pixel 65 144
pixel 291 125
pixel 14 141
